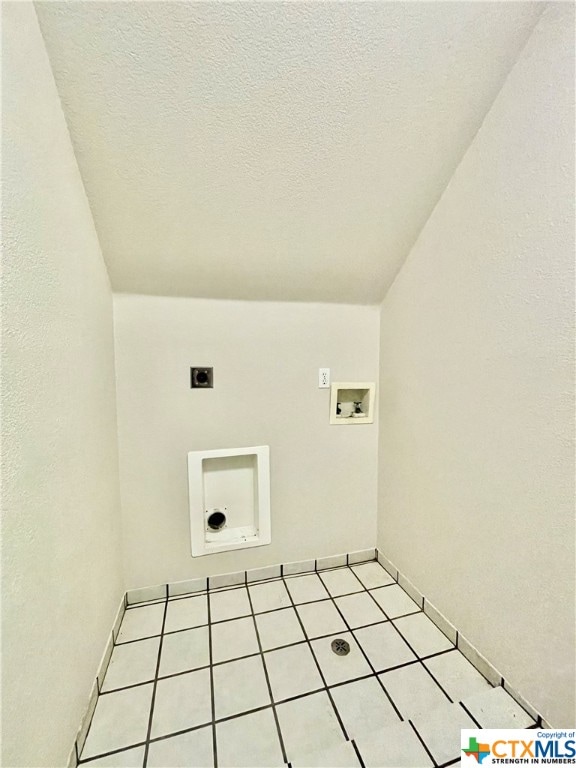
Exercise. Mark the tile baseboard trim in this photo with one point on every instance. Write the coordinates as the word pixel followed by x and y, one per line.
pixel 146 594
pixel 178 589
pixel 72 762
pixel 262 574
pixel 300 566
pixel 408 587
pixel 187 587
pixel 336 561
pixel 93 698
pixel 524 704
pixel 362 556
pixel 387 565
pixel 441 622
pixel 473 655
pixel 237 578
pixel 165 592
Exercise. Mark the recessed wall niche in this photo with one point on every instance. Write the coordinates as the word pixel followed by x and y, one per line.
pixel 352 402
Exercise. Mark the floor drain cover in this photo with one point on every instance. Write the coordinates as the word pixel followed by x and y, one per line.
pixel 340 647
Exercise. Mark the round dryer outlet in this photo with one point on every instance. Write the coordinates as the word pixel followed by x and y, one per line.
pixel 216 520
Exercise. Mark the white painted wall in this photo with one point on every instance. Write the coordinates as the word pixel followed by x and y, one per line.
pixel 476 501
pixel 266 358
pixel 61 579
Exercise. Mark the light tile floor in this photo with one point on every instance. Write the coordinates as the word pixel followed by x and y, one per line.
pixel 245 677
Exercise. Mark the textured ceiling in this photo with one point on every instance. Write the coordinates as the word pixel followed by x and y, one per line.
pixel 273 150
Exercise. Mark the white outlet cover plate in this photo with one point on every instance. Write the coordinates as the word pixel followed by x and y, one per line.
pixel 324 378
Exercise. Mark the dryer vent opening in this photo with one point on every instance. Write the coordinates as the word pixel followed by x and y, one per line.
pixel 229 498
pixel 216 521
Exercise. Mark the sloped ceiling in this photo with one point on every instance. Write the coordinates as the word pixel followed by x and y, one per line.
pixel 272 150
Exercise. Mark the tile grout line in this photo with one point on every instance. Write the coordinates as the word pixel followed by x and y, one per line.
pixel 231 717
pixel 456 644
pixel 395 618
pixel 154 600
pixel 421 659
pixel 272 650
pixel 198 727
pixel 444 691
pixel 329 598
pixel 317 663
pixel 245 712
pixel 395 576
pixel 224 719
pixel 266 675
pixel 199 592
pixel 155 685
pixel 173 734
pixel 151 637
pixel 421 740
pixel 465 708
pixel 212 698
pixel 450 699
pixel 100 755
pixel 285 580
pixel 273 610
pixel 150 601
pixel 405 640
pixel 360 646
pixel 358 755
pixel 147 603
